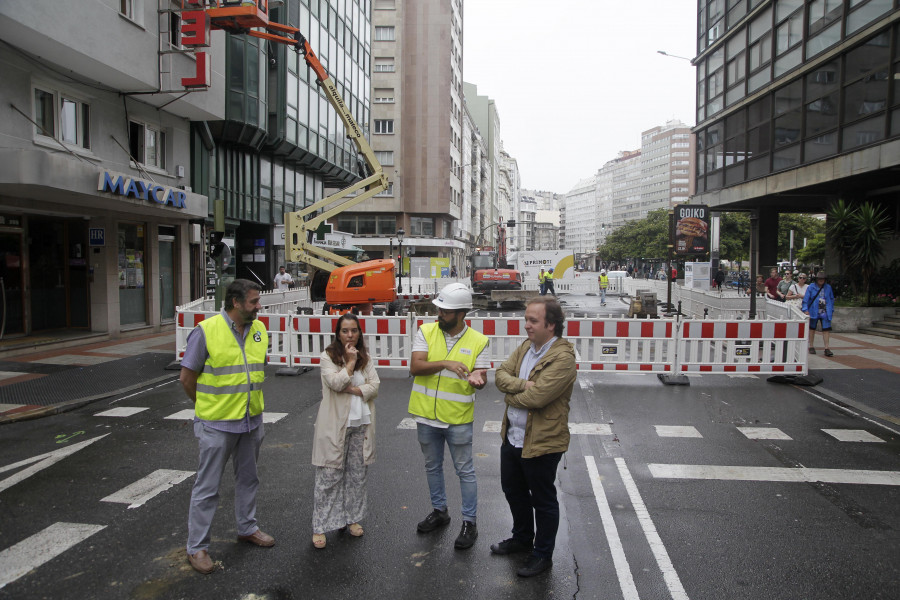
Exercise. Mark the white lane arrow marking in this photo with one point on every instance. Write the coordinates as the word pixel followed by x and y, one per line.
pixel 43 461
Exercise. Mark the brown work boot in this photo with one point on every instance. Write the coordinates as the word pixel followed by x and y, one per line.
pixel 258 538
pixel 201 562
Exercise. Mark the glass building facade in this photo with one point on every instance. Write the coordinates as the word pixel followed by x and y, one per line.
pixel 281 143
pixel 785 83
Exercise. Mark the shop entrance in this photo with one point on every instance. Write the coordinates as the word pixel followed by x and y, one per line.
pixel 58 273
pixel 12 307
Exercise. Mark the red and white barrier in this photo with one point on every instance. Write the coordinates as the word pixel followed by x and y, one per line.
pixel 630 345
pixel 742 347
pixel 278 328
pixel 387 339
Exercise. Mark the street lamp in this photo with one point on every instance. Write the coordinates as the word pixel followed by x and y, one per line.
pixel 664 53
pixel 400 234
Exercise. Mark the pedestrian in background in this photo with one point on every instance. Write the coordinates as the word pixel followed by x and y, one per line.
pixel 798 290
pixel 784 286
pixel 344 438
pixel 449 363
pixel 548 283
pixel 604 283
pixel 222 372
pixel 772 284
pixel 537 381
pixel 760 285
pixel 818 303
pixel 719 279
pixel 283 279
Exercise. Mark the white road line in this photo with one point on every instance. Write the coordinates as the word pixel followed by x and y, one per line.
pixel 620 561
pixel 853 435
pixel 670 576
pixel 685 431
pixel 43 461
pixel 121 411
pixel 273 417
pixel 409 423
pixel 848 411
pixel 182 415
pixel 142 490
pixel 492 426
pixel 574 428
pixel 764 433
pixel 42 547
pixel 785 474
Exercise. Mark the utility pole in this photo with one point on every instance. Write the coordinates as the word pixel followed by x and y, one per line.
pixel 754 259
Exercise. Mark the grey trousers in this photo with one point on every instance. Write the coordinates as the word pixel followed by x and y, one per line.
pixel 215 449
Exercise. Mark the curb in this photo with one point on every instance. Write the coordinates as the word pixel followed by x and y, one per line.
pixel 55 409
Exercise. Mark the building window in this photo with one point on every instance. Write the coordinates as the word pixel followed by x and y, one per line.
pixel 62 117
pixel 384 34
pixel 421 226
pixel 388 191
pixel 384 65
pixel 384 95
pixel 126 8
pixel 175 30
pixel 385 157
pixel 147 145
pixel 384 126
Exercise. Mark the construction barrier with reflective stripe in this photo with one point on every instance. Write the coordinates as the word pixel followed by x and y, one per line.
pixel 743 347
pixel 668 346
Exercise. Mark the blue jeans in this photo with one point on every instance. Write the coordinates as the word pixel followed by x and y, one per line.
pixel 603 295
pixel 459 440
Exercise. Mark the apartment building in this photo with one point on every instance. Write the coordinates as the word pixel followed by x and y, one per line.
pixel 99 226
pixel 667 158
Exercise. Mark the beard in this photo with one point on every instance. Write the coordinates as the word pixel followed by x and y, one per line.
pixel 445 326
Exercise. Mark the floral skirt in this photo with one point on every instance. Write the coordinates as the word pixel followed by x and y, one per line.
pixel 339 496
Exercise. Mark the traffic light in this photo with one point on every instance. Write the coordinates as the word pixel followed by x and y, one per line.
pixel 511 223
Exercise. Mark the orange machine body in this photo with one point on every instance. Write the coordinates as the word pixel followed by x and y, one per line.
pixel 369 282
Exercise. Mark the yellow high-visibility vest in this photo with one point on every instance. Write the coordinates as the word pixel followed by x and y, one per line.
pixel 231 375
pixel 443 396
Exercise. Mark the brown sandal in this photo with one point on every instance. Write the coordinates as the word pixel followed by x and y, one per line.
pixel 355 529
pixel 319 540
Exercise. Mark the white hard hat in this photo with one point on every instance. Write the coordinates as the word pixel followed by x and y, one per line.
pixel 455 296
pixel 603 271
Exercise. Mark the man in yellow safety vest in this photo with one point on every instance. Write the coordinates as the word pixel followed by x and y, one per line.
pixel 222 373
pixel 449 363
pixel 604 283
pixel 542 281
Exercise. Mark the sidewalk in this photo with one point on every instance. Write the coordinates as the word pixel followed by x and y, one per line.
pixel 863 374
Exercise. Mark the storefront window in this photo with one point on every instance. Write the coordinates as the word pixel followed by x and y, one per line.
pixel 132 274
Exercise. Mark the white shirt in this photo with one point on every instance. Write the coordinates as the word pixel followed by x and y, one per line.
pixel 282 281
pixel 359 410
pixel 518 417
pixel 482 361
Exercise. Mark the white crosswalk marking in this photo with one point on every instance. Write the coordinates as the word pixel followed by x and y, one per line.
pixel 182 415
pixel 122 411
pixel 786 474
pixel 407 423
pixel 764 433
pixel 492 426
pixel 42 547
pixel 685 431
pixel 574 428
pixel 142 490
pixel 273 417
pixel 43 461
pixel 853 435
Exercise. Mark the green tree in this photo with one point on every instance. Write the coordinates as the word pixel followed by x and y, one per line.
pixel 859 232
pixel 643 238
pixel 734 237
pixel 814 252
pixel 803 225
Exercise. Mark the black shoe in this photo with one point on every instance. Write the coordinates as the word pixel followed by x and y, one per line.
pixel 511 546
pixel 467 535
pixel 436 518
pixel 534 566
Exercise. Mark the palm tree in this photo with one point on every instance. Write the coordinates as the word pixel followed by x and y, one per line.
pixel 859 234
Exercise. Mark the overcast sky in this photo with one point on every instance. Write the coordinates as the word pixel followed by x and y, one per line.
pixel 577 81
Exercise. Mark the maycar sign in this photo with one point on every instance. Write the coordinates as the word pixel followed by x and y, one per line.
pixel 123 185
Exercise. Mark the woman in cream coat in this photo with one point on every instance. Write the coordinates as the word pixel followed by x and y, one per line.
pixel 344 442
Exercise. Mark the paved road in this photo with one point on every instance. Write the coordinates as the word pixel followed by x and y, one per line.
pixel 666 494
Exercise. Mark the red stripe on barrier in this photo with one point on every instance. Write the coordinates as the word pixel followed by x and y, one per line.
pixel 622 329
pixel 403 326
pixel 646 367
pixel 512 328
pixel 574 328
pixel 597 328
pixel 596 367
pixel 780 330
pixel 647 330
pixel 801 333
pixel 778 368
pixel 381 326
pixel 316 361
pixel 198 318
pixel 489 327
pixel 730 368
pixel 314 326
pixel 264 321
pixel 707 368
pixel 754 367
pixel 384 362
pixel 621 367
pixel 731 331
pixel 756 330
pixel 283 359
pixel 181 319
pixel 708 330
pixel 669 329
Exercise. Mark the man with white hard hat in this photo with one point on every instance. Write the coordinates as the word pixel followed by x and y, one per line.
pixel 604 283
pixel 449 363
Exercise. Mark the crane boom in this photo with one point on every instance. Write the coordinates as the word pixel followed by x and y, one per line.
pixel 249 18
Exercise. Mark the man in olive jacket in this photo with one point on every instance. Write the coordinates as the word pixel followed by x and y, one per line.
pixel 537 379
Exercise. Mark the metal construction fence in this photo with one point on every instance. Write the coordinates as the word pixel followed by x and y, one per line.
pixel 663 346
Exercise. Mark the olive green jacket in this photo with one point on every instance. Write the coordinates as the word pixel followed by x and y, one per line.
pixel 547 402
